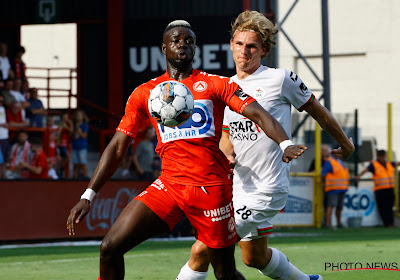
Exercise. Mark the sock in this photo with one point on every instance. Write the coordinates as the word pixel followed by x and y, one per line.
pixel 280 268
pixel 99 278
pixel 187 273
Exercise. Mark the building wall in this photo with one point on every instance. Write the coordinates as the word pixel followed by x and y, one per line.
pixel 364 39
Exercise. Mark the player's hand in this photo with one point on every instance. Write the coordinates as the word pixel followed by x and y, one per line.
pixel 232 161
pixel 344 151
pixel 293 152
pixel 77 213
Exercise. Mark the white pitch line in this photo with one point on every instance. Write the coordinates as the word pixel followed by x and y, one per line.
pixel 79 259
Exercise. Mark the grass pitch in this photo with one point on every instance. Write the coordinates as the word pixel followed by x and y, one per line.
pixel 308 249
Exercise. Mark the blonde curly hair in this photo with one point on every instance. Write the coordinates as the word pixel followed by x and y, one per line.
pixel 256 22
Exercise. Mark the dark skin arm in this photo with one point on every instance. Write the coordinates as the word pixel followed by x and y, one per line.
pixel 272 129
pixel 328 122
pixel 108 164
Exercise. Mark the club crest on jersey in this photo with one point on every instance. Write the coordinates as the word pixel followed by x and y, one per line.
pixel 200 124
pixel 240 93
pixel 200 86
pixel 259 92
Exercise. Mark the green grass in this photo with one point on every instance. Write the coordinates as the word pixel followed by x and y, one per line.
pixel 163 260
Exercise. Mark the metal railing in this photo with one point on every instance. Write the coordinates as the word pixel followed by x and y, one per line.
pixel 49 75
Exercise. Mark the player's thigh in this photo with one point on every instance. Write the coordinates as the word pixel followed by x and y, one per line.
pixel 210 211
pixel 135 224
pixel 253 216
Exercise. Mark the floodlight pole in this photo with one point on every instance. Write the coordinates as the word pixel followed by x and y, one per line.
pixel 325 54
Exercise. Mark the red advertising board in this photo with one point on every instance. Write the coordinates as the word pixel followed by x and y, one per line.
pixel 39 209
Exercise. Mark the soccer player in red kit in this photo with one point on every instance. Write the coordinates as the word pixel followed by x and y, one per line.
pixel 196 180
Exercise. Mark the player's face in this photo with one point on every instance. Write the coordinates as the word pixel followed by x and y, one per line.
pixel 247 51
pixel 179 46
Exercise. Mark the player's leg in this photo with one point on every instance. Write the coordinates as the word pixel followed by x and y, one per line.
pixel 197 266
pixel 255 225
pixel 211 214
pixel 152 212
pixel 136 223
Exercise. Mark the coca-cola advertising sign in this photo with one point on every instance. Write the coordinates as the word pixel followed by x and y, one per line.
pixel 39 209
pixel 105 210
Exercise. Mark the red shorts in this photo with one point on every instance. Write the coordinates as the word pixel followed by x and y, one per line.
pixel 209 209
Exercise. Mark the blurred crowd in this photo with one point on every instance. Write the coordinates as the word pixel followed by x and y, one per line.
pixel 36 143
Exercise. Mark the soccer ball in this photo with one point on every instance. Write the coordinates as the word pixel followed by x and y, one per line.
pixel 171 103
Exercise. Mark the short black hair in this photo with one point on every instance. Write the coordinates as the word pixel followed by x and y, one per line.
pixel 22 131
pixel 36 141
pixel 20 49
pixel 178 23
pixel 381 153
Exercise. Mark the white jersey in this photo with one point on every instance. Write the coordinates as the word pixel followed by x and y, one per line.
pixel 259 167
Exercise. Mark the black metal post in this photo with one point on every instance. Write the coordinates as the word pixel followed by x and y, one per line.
pixel 355 145
pixel 325 54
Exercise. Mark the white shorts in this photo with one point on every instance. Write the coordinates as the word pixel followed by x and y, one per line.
pixel 253 215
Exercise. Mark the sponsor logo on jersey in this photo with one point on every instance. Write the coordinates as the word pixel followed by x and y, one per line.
pixel 244 129
pixel 200 86
pixel 303 88
pixel 158 184
pixel 293 76
pixel 259 92
pixel 219 214
pixel 200 124
pixel 240 93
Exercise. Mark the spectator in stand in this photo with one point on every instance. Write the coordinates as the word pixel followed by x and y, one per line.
pixel 25 89
pixel 4 144
pixel 79 144
pixel 65 130
pixel 8 97
pixel 5 66
pixel 17 65
pixel 16 92
pixel 143 158
pixel 38 167
pixel 52 146
pixel 15 117
pixel 19 153
pixel 126 163
pixel 35 111
pixel 157 162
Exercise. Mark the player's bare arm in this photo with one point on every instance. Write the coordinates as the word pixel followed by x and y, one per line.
pixel 272 129
pixel 328 122
pixel 225 145
pixel 108 164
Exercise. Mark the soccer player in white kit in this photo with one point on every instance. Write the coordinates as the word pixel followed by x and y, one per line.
pixel 261 179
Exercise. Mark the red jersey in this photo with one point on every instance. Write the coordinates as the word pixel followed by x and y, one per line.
pixel 190 152
pixel 40 160
pixel 18 118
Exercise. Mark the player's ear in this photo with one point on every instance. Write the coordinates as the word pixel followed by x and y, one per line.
pixel 164 48
pixel 264 51
pixel 231 41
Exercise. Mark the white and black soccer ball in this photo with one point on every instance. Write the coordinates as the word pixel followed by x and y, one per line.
pixel 171 103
